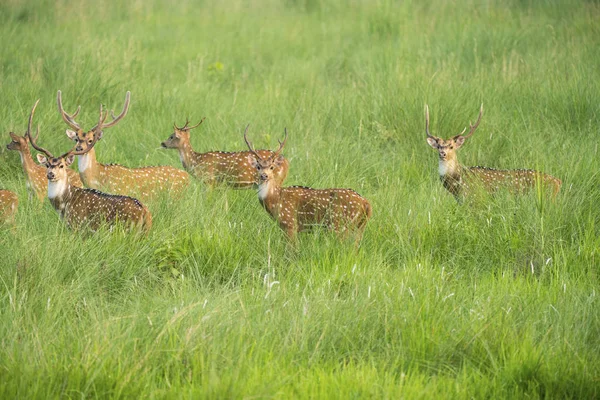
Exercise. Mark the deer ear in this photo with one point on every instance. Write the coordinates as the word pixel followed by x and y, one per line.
pixel 432 142
pixel 69 159
pixel 279 161
pixel 100 135
pixel 459 141
pixel 71 134
pixel 42 159
pixel 252 160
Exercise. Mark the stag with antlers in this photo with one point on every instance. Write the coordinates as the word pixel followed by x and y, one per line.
pixel 145 182
pixel 88 208
pixel 230 168
pixel 460 180
pixel 35 174
pixel 298 208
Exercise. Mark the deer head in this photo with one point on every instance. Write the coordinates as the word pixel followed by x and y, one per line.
pixel 86 139
pixel 266 167
pixel 57 166
pixel 447 147
pixel 180 136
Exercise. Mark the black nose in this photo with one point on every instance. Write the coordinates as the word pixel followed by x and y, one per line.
pixel 263 177
pixel 163 144
pixel 443 153
pixel 50 175
pixel 78 148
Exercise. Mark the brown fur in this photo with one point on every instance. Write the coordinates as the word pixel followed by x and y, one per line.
pixel 34 173
pixel 230 168
pixel 90 208
pixel 9 203
pixel 462 181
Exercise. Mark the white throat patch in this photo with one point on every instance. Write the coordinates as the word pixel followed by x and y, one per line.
pixel 57 189
pixel 263 190
pixel 84 162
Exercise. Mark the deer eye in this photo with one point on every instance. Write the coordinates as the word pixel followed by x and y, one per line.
pixel 272 167
pixel 451 147
pixel 258 167
pixel 90 141
pixel 62 166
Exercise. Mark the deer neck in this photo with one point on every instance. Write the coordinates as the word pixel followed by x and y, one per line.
pixel 449 168
pixel 268 194
pixel 59 193
pixel 88 168
pixel 28 164
pixel 185 155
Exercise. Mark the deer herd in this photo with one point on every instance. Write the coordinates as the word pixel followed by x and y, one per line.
pixel 107 194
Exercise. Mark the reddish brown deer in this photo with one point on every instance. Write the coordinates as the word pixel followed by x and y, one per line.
pixel 231 168
pixel 35 174
pixel 88 208
pixel 460 180
pixel 298 208
pixel 144 183
pixel 8 206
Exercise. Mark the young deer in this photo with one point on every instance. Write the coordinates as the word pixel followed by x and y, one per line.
pixel 8 206
pixel 460 180
pixel 35 174
pixel 88 207
pixel 298 208
pixel 144 182
pixel 231 168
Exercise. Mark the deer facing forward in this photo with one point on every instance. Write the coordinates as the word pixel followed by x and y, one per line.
pixel 231 168
pixel 145 182
pixel 460 180
pixel 35 174
pixel 88 208
pixel 298 208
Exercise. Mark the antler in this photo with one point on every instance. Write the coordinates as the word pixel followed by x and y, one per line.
pixel 473 128
pixel 66 117
pixel 281 144
pixel 31 139
pixel 186 127
pixel 90 146
pixel 31 122
pixel 116 119
pixel 429 135
pixel 249 144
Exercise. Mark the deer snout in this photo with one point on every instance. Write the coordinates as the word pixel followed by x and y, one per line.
pixel 79 148
pixel 50 176
pixel 163 144
pixel 442 154
pixel 263 177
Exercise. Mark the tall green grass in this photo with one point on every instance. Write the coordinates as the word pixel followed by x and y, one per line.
pixel 492 299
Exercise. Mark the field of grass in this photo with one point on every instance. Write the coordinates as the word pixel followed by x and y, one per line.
pixel 489 299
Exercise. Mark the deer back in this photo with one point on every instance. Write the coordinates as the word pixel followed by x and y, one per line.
pixel 233 168
pixel 9 201
pixel 517 180
pixel 336 209
pixel 92 208
pixel 145 183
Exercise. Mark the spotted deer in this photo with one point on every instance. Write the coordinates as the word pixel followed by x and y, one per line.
pixel 145 182
pixel 231 168
pixel 35 174
pixel 8 206
pixel 460 180
pixel 88 208
pixel 299 208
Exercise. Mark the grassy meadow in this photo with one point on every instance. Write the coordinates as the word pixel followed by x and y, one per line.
pixel 496 298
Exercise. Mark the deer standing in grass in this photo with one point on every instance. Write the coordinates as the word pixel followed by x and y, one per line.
pixel 8 206
pixel 35 174
pixel 460 180
pixel 88 207
pixel 298 208
pixel 145 182
pixel 231 168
